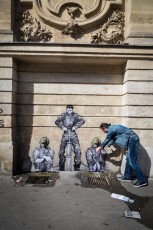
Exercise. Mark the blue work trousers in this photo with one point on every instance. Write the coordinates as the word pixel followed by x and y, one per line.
pixel 131 159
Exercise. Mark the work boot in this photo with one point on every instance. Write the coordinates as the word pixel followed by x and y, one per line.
pixel 62 167
pixel 91 168
pixel 77 167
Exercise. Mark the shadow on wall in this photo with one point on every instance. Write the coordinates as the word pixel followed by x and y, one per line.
pixel 22 159
pixel 144 160
pixel 117 157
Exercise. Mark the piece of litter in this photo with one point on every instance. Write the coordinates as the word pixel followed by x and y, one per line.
pixel 19 180
pixel 122 197
pixel 132 214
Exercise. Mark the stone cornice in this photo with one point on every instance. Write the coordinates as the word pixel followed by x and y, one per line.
pixel 84 53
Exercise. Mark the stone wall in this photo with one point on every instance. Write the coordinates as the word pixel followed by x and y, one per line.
pixel 138 106
pixel 94 90
pixel 105 72
pixel 8 77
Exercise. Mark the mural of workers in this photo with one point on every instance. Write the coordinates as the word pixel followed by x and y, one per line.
pixel 95 160
pixel 43 156
pixel 69 122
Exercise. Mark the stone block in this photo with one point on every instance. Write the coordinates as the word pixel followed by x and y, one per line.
pixel 46 121
pixel 6 13
pixel 7 97
pixel 5 73
pixel 5 121
pixel 141 123
pixel 138 99
pixel 139 23
pixel 68 99
pixel 75 65
pixel 103 78
pixel 6 155
pixel 6 62
pixel 138 111
pixel 139 65
pixel 139 87
pixel 6 36
pixel 70 89
pixel 57 110
pixel 5 135
pixel 138 75
pixel 6 109
pixel 6 85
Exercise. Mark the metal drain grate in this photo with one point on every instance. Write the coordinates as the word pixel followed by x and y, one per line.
pixel 98 179
pixel 38 180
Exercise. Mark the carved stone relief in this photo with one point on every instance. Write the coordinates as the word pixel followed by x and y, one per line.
pixel 32 30
pixel 112 31
pixel 72 28
pixel 73 19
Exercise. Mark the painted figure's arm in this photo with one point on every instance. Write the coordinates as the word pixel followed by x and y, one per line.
pixel 79 122
pixel 58 122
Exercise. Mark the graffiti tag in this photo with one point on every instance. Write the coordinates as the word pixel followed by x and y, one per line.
pixel 1 121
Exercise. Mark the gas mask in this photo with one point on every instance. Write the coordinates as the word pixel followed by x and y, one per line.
pixel 44 142
pixel 95 142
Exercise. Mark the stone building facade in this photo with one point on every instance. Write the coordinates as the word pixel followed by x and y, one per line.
pixel 96 55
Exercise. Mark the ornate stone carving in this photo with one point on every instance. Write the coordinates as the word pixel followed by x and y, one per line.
pixel 74 18
pixel 52 12
pixel 112 31
pixel 72 28
pixel 32 30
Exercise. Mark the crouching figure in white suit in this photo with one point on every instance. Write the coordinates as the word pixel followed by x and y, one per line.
pixel 43 156
pixel 96 160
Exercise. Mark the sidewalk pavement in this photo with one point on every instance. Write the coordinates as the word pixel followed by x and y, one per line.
pixel 70 206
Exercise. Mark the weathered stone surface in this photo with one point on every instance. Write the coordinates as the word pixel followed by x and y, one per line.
pixel 5 62
pixel 6 155
pixel 139 75
pixel 7 109
pixel 7 97
pixel 139 87
pixel 7 121
pixel 57 110
pixel 8 85
pixel 142 123
pixel 53 99
pixel 69 89
pixel 6 33
pixel 69 65
pixel 139 65
pixel 138 111
pixel 107 78
pixel 5 73
pixel 5 135
pixel 138 99
pixel 140 18
pixel 48 121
